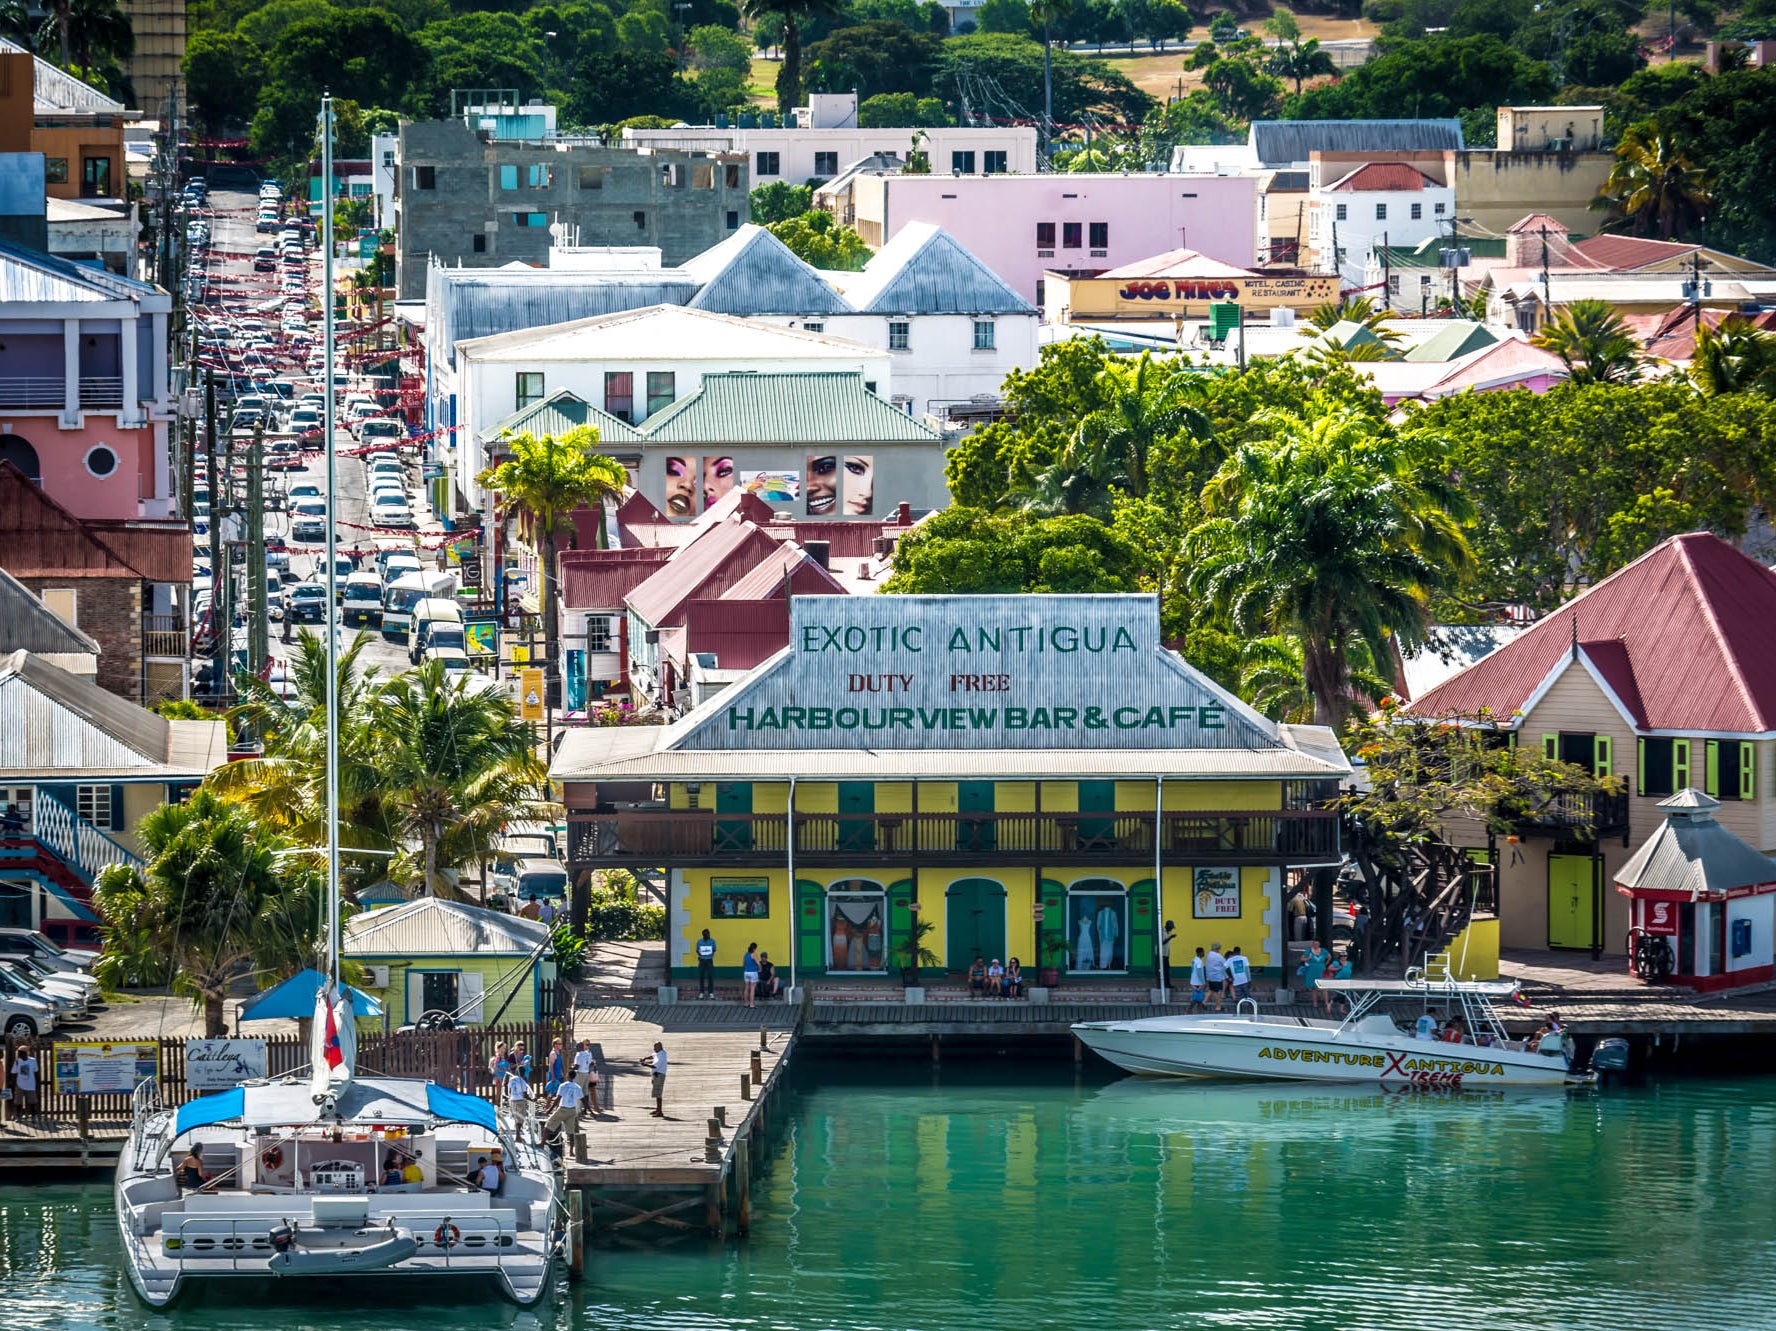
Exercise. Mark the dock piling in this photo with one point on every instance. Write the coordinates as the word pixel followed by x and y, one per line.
pixel 576 1233
pixel 758 1068
pixel 743 1183
pixel 721 1114
pixel 764 1037
pixel 746 1086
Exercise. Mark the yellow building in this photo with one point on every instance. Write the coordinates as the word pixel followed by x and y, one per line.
pixel 1036 776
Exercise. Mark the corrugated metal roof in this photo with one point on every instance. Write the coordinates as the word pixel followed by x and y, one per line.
pixel 765 579
pixel 744 407
pixel 1396 176
pixel 52 721
pixel 1458 339
pixel 603 579
pixel 464 303
pixel 563 411
pixel 923 270
pixel 56 90
pixel 1284 142
pixel 752 272
pixel 437 928
pixel 40 538
pixel 31 276
pixel 1176 264
pixel 28 625
pixel 661 332
pixel 1626 253
pixel 708 566
pixel 1691 852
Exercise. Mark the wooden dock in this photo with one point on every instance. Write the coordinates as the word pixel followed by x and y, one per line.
pixel 45 1144
pixel 691 1171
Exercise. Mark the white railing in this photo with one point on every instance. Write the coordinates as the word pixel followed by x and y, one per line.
pixel 81 845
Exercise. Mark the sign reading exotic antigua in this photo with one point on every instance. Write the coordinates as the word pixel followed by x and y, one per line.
pixel 975 672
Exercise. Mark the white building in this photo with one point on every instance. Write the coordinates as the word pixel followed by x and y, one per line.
pixel 385 170
pixel 630 366
pixel 826 138
pixel 1390 203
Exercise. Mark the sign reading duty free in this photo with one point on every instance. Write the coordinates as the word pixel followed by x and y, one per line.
pixel 976 672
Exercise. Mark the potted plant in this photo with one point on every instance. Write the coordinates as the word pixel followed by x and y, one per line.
pixel 1054 950
pixel 912 953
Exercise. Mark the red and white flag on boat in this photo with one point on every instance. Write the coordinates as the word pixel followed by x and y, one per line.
pixel 331 1050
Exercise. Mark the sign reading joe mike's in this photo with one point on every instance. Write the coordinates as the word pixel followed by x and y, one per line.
pixel 976 672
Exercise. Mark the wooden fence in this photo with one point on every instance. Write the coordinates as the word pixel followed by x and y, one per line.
pixel 456 1059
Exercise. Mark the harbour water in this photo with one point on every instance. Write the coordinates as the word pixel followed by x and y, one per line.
pixel 1016 1195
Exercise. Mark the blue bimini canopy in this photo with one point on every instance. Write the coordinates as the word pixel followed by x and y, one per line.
pixel 455 1107
pixel 295 999
pixel 222 1107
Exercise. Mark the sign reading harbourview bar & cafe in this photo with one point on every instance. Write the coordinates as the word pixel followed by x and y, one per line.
pixel 976 672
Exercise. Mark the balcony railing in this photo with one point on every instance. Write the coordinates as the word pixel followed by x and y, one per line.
pixel 49 392
pixel 165 635
pixel 1606 816
pixel 652 837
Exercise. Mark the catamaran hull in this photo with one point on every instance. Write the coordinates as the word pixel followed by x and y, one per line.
pixel 1265 1051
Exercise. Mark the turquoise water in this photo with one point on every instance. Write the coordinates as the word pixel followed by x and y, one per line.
pixel 1015 1196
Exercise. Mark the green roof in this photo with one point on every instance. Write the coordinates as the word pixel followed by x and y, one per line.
pixel 1458 339
pixel 1425 253
pixel 563 411
pixel 803 407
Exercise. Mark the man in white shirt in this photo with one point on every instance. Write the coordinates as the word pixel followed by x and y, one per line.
pixel 1215 971
pixel 489 1174
pixel 569 1096
pixel 658 1060
pixel 24 1080
pixel 1239 973
pixel 1199 981
pixel 518 1096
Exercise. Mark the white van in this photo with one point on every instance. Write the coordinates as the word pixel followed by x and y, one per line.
pixel 436 622
pixel 409 590
pixel 362 600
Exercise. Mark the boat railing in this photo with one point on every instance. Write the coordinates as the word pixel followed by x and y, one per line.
pixel 1247 1007
pixel 465 1239
pixel 145 1100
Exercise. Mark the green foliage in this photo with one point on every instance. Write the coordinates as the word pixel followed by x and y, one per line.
pixel 305 61
pixel 1727 128
pixel 816 239
pixel 1735 357
pixel 895 110
pixel 1437 76
pixel 1007 16
pixel 794 17
pixel 913 949
pixel 779 201
pixel 965 551
pixel 570 949
pixel 1013 65
pixel 875 57
pixel 478 50
pixel 1594 342
pixel 712 47
pixel 616 911
pixel 223 71
pixel 605 87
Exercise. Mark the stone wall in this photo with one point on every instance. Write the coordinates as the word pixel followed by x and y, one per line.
pixel 109 610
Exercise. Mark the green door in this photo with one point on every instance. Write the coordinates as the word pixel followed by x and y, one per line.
pixel 974 797
pixel 810 899
pixel 1097 797
pixel 974 920
pixel 733 833
pixel 1569 901
pixel 857 832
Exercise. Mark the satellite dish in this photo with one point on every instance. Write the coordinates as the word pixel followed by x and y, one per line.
pixel 555 231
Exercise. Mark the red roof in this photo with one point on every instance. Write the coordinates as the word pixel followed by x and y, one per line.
pixel 765 581
pixel 1626 253
pixel 740 634
pixel 1535 223
pixel 41 539
pixel 715 560
pixel 1177 263
pixel 1685 636
pixel 1384 176
pixel 603 579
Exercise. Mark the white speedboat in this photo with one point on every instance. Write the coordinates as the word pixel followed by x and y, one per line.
pixel 1368 1045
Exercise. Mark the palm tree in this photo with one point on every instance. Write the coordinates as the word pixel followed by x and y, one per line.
pixel 457 765
pixel 1299 60
pixel 793 14
pixel 1084 477
pixel 1048 13
pixel 1735 357
pixel 1360 310
pixel 1273 677
pixel 99 30
pixel 1141 406
pixel 1654 186
pixel 1594 342
pixel 546 480
pixel 209 906
pixel 1336 531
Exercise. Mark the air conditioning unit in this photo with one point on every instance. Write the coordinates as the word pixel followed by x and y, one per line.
pixel 376 977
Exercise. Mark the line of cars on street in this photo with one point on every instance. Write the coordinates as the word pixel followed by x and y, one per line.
pixel 42 984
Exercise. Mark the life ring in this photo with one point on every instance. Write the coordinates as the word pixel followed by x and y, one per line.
pixel 446 1236
pixel 272 1158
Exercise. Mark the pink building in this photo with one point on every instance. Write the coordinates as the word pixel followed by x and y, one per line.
pixel 1020 226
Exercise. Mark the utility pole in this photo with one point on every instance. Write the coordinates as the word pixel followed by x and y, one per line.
pixel 1694 290
pixel 1547 293
pixel 1387 275
pixel 259 626
pixel 218 567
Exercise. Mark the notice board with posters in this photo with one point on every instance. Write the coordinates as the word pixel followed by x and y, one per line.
pixel 104 1067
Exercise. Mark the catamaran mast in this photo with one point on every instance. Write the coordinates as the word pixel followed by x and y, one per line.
pixel 332 621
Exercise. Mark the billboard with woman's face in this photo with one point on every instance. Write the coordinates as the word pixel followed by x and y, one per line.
pixel 823 485
pixel 860 485
pixel 681 487
pixel 719 477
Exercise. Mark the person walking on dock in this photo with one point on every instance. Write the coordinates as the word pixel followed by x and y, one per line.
pixel 658 1089
pixel 1239 973
pixel 1165 955
pixel 565 1118
pixel 1215 970
pixel 517 1095
pixel 749 975
pixel 24 1081
pixel 706 966
pixel 1198 981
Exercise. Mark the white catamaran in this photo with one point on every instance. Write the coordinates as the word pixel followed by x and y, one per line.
pixel 1368 1045
pixel 334 1175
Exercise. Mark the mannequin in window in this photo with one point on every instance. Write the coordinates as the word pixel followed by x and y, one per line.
pixel 1109 930
pixel 1084 955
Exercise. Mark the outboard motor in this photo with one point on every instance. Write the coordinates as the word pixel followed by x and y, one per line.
pixel 1611 1055
pixel 283 1237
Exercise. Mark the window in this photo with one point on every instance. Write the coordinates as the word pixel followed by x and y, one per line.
pixel 673 175
pixel 962 164
pixel 508 175
pixel 814 327
pixel 733 219
pixel 1381 212
pixel 530 219
pixel 1100 235
pixel 93 803
pixel 899 334
pixel 983 334
pixel 703 175
pixel 55 171
pixel 1041 291
pixel 1045 235
pixel 826 164
pixel 1342 212
pixel 591 177
pixel 530 387
pixel 768 165
pixel 1096 925
pixel 1418 212
pixel 619 395
pixel 1438 209
pixel 100 461
pixel 869 385
pixel 1263 207
pixel 641 220
pixel 1072 235
pixel 739 898
pixel 478 243
pixel 662 390
pixel 995 162
pixel 731 175
pixel 598 635
pixel 95 177
pixel 539 176
pixel 1394 283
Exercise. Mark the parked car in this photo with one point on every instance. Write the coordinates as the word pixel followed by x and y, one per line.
pixel 25 1013
pixel 39 944
pixel 390 511
pixel 309 522
pixel 308 603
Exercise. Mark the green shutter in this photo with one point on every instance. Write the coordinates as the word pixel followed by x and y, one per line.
pixel 1602 756
pixel 1141 926
pixel 810 926
pixel 1747 770
pixel 1550 747
pixel 1680 764
pixel 1640 766
pixel 1711 767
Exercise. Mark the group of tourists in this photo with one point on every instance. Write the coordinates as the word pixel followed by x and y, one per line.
pixel 569 1082
pixel 991 980
pixel 1217 977
pixel 758 974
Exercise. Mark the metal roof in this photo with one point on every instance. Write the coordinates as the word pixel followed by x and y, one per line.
pixel 43 539
pixel 436 928
pixel 1378 176
pixel 752 272
pixel 1283 142
pixel 563 411
pixel 924 270
pixel 55 90
pixel 28 625
pixel 1458 339
pixel 464 303
pixel 715 560
pixel 33 277
pixel 1691 852
pixel 804 406
pixel 663 332
pixel 54 722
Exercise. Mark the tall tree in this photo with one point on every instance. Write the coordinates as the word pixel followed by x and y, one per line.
pixel 99 33
pixel 1335 530
pixel 1594 342
pixel 794 15
pixel 1046 13
pixel 1735 357
pixel 545 480
pixel 1654 187
pixel 1293 57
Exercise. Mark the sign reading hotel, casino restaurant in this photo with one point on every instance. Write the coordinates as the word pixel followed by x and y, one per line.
pixel 976 672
